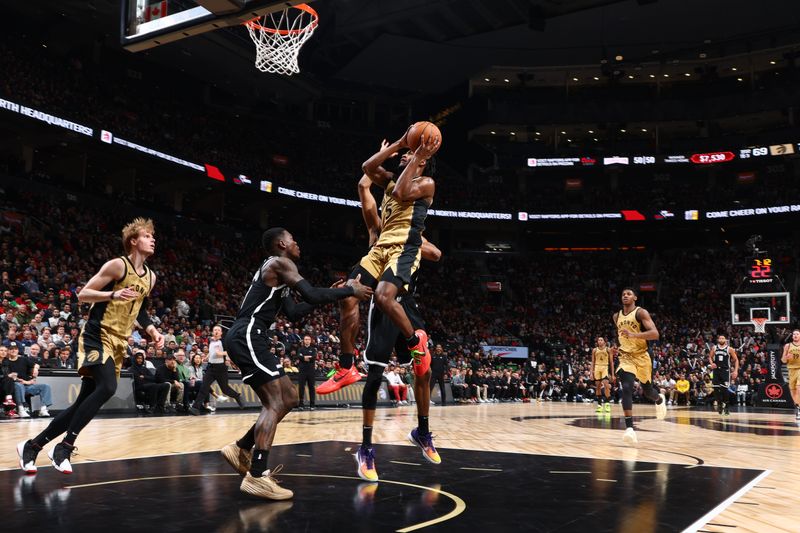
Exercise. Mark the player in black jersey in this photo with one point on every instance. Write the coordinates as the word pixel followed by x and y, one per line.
pixel 247 346
pixel 720 357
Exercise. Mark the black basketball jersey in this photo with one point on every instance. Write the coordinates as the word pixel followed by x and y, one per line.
pixel 722 357
pixel 262 302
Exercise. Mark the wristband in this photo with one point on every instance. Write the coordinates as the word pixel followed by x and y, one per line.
pixel 112 296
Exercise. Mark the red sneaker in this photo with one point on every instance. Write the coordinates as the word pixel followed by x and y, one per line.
pixel 9 403
pixel 342 378
pixel 421 356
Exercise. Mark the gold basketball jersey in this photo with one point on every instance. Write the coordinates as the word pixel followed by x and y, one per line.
pixel 401 222
pixel 629 322
pixel 794 356
pixel 601 357
pixel 117 317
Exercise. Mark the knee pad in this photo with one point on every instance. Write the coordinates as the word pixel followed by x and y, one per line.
pixel 369 396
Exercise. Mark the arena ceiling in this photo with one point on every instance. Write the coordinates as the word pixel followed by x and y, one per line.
pixel 427 46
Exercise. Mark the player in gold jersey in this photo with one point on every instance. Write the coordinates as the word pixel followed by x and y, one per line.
pixel 602 361
pixel 635 327
pixel 791 358
pixel 117 294
pixel 395 256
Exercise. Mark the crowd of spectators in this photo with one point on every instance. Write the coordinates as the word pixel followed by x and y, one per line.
pixel 556 312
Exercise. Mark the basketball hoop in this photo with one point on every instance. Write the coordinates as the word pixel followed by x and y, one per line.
pixel 759 324
pixel 279 36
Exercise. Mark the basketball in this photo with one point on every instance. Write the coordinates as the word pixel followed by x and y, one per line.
pixel 418 129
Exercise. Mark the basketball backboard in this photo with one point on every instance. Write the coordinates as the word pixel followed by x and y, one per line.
pixel 774 306
pixel 149 23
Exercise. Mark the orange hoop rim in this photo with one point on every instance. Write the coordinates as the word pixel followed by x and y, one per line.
pixel 759 323
pixel 253 24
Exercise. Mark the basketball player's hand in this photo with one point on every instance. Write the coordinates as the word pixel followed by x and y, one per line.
pixel 625 333
pixel 126 295
pixel 158 338
pixel 427 147
pixel 362 292
pixel 713 366
pixel 385 144
pixel 338 284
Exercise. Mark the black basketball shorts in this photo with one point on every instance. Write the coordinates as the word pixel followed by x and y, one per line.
pixel 248 347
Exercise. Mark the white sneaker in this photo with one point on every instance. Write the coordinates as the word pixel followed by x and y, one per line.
pixel 211 408
pixel 22 412
pixel 433 403
pixel 223 399
pixel 43 412
pixel 629 437
pixel 661 409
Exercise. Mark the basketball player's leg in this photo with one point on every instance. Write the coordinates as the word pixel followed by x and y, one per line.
pixel 367 271
pixel 205 392
pixel 376 356
pixel 29 450
pixel 598 387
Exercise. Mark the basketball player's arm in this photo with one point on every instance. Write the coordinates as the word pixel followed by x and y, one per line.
pixel 287 273
pixel 369 209
pixel 144 319
pixel 735 358
pixel 430 251
pixel 785 356
pixel 110 272
pixel 711 353
pixel 594 352
pixel 649 331
pixel 373 168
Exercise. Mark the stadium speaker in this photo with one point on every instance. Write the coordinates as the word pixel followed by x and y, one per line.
pixel 537 21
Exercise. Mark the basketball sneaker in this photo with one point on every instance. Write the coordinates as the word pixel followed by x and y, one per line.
pixel 60 455
pixel 342 378
pixel 365 459
pixel 27 452
pixel 9 402
pixel 608 407
pixel 629 437
pixel 599 407
pixel 725 410
pixel 238 458
pixel 420 354
pixel 425 443
pixel 265 486
pixel 661 408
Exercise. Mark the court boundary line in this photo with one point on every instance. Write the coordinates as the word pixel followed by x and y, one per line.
pixel 720 508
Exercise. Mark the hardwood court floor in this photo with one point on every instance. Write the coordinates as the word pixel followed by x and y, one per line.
pixel 745 440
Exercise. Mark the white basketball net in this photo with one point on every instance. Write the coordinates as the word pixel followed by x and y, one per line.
pixel 279 36
pixel 759 324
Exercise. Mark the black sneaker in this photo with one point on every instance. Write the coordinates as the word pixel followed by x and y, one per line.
pixel 240 401
pixel 60 456
pixel 194 411
pixel 28 452
pixel 725 409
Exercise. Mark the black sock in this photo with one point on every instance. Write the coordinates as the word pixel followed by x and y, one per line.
pixel 346 360
pixel 366 436
pixel 422 425
pixel 412 341
pixel 259 464
pixel 629 422
pixel 249 440
pixel 70 437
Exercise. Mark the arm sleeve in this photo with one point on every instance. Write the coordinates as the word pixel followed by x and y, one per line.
pixel 319 295
pixel 142 318
pixel 295 311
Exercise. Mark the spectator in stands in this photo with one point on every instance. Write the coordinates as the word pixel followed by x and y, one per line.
pixel 144 381
pixel 64 361
pixel 397 388
pixel 183 375
pixel 7 387
pixel 195 379
pixel 24 373
pixel 168 373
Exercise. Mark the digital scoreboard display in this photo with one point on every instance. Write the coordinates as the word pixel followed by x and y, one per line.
pixel 761 271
